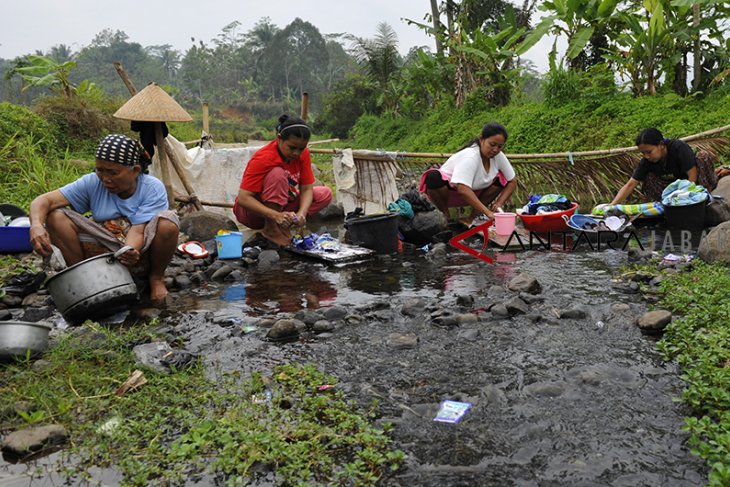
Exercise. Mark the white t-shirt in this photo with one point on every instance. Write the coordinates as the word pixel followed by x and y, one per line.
pixel 466 167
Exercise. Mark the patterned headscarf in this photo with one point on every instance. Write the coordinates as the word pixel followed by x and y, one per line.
pixel 120 149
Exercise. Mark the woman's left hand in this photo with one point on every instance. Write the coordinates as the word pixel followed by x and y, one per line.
pixel 301 220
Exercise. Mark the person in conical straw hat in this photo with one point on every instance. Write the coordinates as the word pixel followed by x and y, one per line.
pixel 128 207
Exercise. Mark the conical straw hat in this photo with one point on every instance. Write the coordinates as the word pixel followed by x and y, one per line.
pixel 152 104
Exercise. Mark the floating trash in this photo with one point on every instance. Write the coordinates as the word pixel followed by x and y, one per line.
pixel 452 411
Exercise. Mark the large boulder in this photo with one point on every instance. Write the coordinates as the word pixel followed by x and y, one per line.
pixel 204 225
pixel 715 247
pixel 717 212
pixel 422 228
pixel 723 188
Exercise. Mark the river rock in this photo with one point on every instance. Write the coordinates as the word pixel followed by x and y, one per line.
pixel 5 314
pixel 516 306
pixel 499 310
pixel 37 300
pixel 334 313
pixel 466 300
pixel 322 326
pixel 525 283
pixel 401 341
pixel 573 314
pixel 202 225
pixel 333 210
pixel 268 257
pixel 183 281
pixel 715 246
pixel 723 188
pixel 413 306
pixel 12 301
pixel 717 212
pixel 282 329
pixel 221 273
pixel 468 334
pixel 422 228
pixel 308 316
pixel 151 355
pixel 32 439
pixel 655 320
pixel 37 314
pixel 496 291
pixel 639 255
pixel 464 318
pixel 531 298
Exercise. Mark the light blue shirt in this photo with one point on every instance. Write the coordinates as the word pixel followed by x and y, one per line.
pixel 89 194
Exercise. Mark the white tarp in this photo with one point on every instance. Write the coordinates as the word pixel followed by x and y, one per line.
pixel 214 174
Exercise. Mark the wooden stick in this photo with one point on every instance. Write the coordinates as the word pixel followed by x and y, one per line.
pixel 324 141
pixel 160 142
pixel 187 199
pixel 181 174
pixel 553 155
pixel 305 106
pixel 123 74
pixel 206 126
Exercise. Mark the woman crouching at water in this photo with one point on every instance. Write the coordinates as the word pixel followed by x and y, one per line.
pixel 663 162
pixel 478 175
pixel 277 189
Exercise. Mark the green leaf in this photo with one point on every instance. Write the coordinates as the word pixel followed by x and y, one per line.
pixel 537 33
pixel 579 41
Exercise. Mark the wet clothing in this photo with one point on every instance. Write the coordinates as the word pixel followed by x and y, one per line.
pixel 89 194
pixel 276 188
pixel 654 182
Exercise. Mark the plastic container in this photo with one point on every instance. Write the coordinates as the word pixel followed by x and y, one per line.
pixel 549 222
pixel 504 223
pixel 229 245
pixel 15 240
pixel 688 217
pixel 376 232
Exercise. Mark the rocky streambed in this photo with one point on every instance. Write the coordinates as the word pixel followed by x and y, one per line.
pixel 565 388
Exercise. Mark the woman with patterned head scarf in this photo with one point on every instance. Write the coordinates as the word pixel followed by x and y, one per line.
pixel 128 207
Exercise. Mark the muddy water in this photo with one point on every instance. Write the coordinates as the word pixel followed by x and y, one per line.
pixel 556 401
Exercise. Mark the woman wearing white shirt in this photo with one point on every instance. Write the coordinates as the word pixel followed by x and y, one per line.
pixel 479 175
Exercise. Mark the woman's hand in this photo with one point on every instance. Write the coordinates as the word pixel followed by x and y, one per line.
pixel 40 240
pixel 300 219
pixel 284 218
pixel 130 258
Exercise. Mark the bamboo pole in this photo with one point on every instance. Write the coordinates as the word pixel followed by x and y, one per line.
pixel 123 74
pixel 183 177
pixel 187 200
pixel 206 126
pixel 160 142
pixel 305 106
pixel 553 155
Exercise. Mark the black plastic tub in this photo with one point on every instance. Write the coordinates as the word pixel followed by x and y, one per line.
pixel 687 217
pixel 377 232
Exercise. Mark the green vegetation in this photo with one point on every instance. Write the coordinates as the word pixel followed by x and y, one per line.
pixel 181 425
pixel 698 338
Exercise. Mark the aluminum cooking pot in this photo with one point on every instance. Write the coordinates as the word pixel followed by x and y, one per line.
pixel 93 288
pixel 21 338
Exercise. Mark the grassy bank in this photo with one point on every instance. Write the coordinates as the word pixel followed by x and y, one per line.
pixel 181 425
pixel 698 338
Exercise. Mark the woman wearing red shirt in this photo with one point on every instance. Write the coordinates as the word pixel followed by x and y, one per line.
pixel 277 189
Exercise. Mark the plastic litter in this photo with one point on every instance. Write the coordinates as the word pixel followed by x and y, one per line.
pixel 262 397
pixel 194 249
pixel 452 411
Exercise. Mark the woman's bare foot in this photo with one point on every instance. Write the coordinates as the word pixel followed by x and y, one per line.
pixel 158 292
pixel 277 234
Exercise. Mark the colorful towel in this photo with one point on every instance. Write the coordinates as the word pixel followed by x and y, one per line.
pixel 683 192
pixel 646 209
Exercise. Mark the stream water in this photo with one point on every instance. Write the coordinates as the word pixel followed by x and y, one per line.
pixel 555 401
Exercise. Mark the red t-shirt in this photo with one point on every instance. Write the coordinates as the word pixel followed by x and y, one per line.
pixel 299 170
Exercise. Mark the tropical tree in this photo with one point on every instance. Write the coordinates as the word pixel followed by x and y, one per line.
pixel 44 71
pixel 380 60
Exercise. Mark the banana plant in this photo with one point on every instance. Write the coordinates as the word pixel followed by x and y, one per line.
pixel 577 20
pixel 44 71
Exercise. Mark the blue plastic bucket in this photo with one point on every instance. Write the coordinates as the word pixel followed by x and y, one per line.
pixel 229 245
